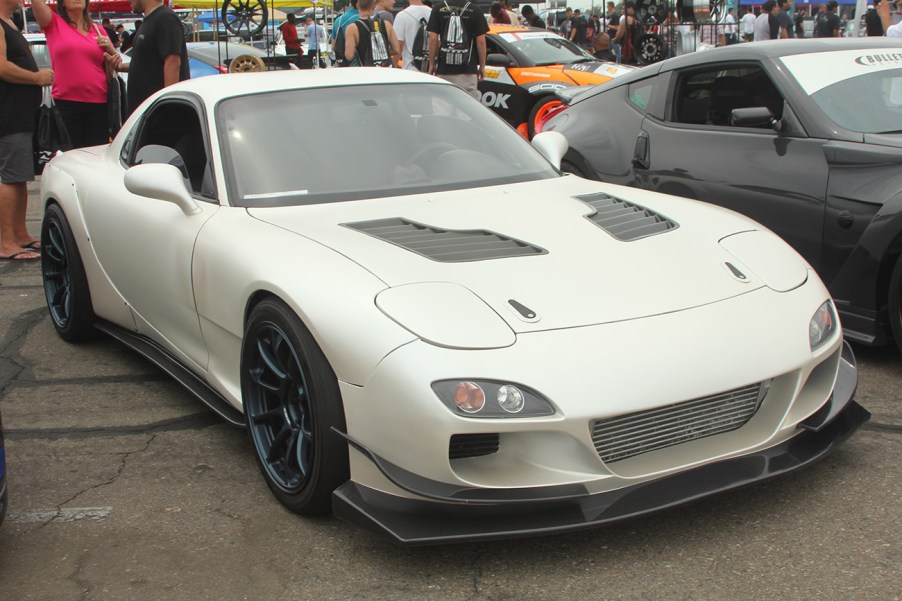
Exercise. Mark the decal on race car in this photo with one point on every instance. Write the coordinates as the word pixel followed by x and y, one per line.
pixel 499 75
pixel 609 69
pixel 546 87
pixel 525 35
pixel 493 100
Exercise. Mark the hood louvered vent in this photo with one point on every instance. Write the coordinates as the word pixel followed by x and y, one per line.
pixel 623 220
pixel 447 246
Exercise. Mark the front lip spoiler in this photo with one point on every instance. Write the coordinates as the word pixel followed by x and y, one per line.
pixel 532 512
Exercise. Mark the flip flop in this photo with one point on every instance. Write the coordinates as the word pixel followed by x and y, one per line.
pixel 17 256
pixel 34 245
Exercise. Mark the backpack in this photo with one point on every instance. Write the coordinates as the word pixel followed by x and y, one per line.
pixel 338 48
pixel 456 45
pixel 373 41
pixel 420 48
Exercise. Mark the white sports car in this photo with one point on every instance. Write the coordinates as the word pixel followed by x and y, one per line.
pixel 429 329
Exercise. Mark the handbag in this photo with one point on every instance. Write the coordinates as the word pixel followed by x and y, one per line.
pixel 50 135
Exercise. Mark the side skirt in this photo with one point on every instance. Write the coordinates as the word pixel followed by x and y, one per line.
pixel 187 378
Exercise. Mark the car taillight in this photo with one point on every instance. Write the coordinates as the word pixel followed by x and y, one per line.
pixel 547 116
pixel 222 68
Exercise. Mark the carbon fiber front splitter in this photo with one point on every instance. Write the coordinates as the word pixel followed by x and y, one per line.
pixel 421 522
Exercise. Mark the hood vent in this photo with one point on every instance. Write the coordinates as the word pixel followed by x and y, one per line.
pixel 447 246
pixel 623 220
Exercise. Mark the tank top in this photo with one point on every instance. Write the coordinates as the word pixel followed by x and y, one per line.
pixel 18 102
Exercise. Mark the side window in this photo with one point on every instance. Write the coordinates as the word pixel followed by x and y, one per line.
pixel 639 93
pixel 708 97
pixel 176 125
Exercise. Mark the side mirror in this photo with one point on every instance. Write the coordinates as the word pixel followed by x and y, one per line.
pixel 552 145
pixel 163 182
pixel 498 60
pixel 756 116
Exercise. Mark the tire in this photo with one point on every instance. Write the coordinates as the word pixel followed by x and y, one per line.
pixel 245 17
pixel 568 167
pixel 539 110
pixel 291 403
pixel 895 303
pixel 65 284
pixel 650 48
pixel 247 63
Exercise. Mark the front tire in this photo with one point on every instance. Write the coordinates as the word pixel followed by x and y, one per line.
pixel 291 403
pixel 65 283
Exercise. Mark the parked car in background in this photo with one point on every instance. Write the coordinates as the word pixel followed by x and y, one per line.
pixel 210 58
pixel 804 136
pixel 525 67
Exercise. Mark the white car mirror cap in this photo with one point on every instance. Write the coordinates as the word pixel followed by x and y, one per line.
pixel 163 182
pixel 552 145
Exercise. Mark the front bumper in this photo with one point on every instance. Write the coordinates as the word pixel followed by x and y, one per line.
pixel 460 515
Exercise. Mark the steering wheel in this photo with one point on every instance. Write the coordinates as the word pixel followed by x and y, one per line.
pixel 427 156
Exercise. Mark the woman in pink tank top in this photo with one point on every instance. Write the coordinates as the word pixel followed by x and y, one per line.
pixel 77 47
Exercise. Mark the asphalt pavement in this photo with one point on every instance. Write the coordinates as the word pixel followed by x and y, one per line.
pixel 123 486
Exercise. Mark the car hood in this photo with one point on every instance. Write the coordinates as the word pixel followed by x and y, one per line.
pixel 580 74
pixel 532 255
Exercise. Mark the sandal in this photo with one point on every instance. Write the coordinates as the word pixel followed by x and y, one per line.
pixel 34 245
pixel 20 256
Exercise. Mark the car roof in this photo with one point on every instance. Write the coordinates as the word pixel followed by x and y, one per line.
pixel 214 89
pixel 498 28
pixel 776 49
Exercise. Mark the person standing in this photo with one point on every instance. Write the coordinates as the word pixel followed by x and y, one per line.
pixel 747 24
pixel 316 41
pixel 532 19
pixel 579 29
pixel 730 28
pixel 784 21
pixel 160 56
pixel 383 11
pixel 20 97
pixel 886 19
pixel 799 21
pixel 872 22
pixel 828 24
pixel 512 15
pixel 613 22
pixel 457 49
pixel 338 32
pixel 766 25
pixel 628 33
pixel 370 41
pixel 78 48
pixel 289 31
pixel 110 31
pixel 497 16
pixel 407 24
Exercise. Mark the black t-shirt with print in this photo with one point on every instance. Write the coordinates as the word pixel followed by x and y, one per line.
pixel 160 35
pixel 471 20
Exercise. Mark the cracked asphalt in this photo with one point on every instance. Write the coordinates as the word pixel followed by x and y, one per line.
pixel 123 486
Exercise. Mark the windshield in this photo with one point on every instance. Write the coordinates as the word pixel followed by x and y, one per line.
pixel 336 144
pixel 859 90
pixel 544 48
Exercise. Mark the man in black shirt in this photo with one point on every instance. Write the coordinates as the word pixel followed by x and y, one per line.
pixel 578 29
pixel 828 23
pixel 160 56
pixel 532 19
pixel 872 21
pixel 20 96
pixel 784 21
pixel 457 43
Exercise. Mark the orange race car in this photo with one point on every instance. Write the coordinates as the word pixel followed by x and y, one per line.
pixel 526 66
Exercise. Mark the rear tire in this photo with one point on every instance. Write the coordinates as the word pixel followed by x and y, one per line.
pixel 895 303
pixel 65 283
pixel 539 110
pixel 291 403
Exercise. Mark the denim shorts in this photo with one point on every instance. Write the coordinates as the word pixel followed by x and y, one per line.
pixel 16 158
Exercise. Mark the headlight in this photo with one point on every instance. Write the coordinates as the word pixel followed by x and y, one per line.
pixel 822 325
pixel 484 398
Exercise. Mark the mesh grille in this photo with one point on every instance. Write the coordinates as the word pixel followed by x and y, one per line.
pixel 623 220
pixel 473 445
pixel 447 246
pixel 629 435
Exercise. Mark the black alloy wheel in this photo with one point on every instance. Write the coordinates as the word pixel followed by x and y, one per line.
pixel 895 303
pixel 650 49
pixel 245 17
pixel 291 403
pixel 65 284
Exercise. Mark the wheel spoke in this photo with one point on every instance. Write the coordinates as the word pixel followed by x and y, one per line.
pixel 290 450
pixel 278 441
pixel 268 415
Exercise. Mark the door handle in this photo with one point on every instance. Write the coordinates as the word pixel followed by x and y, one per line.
pixel 640 155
